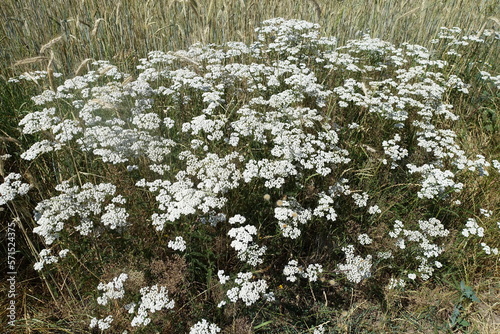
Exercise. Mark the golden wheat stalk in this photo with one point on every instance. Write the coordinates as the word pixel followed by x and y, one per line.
pixel 31 60
pixel 50 43
pixel 96 26
pixel 82 66
pixel 50 72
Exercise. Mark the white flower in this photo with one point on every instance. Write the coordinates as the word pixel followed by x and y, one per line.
pixel 364 239
pixel 356 268
pixel 12 187
pixel 312 271
pixel 472 228
pixel 222 278
pixel 204 327
pixel 45 258
pixel 40 147
pixel 237 219
pixel 396 283
pixel 435 181
pixel 243 236
pixel 374 209
pixel 153 299
pixel 39 121
pixel 177 244
pixel 488 250
pixel 249 292
pixel 485 212
pixel 394 150
pixel 149 121
pixel 114 217
pixel 291 270
pixel 112 290
pixel 353 125
pixel 82 202
pixel 102 324
pixel 63 253
pixel 248 251
pixel 360 199
pixel 319 330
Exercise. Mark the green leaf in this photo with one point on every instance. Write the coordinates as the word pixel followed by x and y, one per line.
pixel 455 315
pixel 468 293
pixel 265 323
pixel 464 323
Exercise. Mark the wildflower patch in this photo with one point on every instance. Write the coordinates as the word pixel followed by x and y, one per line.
pixel 283 136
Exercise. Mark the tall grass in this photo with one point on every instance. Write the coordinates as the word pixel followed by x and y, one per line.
pixel 67 36
pixel 126 30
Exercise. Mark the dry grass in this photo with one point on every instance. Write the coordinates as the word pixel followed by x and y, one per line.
pixel 128 29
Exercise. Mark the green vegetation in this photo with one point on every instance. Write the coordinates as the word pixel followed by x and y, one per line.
pixel 241 149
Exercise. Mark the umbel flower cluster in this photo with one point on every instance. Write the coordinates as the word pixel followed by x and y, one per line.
pixel 205 133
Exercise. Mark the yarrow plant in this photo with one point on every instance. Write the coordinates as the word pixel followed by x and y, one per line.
pixel 12 187
pixel 261 151
pixel 204 327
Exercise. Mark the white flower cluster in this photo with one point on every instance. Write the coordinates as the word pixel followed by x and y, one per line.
pixel 284 32
pixel 422 239
pixel 217 175
pixel 394 150
pixel 101 324
pixel 326 203
pixel 45 258
pixel 40 147
pixel 356 268
pixel 178 244
pixel 223 279
pixel 179 199
pixel 455 42
pixel 290 214
pixel 396 283
pixel 360 199
pixel 292 269
pixel 43 121
pixel 33 76
pixel 319 329
pixel 83 202
pixel 472 228
pixel 39 121
pixel 374 209
pixel 114 217
pixel 364 239
pixel 488 250
pixel 204 327
pixel 486 213
pixel 112 290
pixel 494 79
pixel 12 187
pixel 324 208
pixel 249 292
pixel 435 182
pixel 248 250
pixel 153 299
